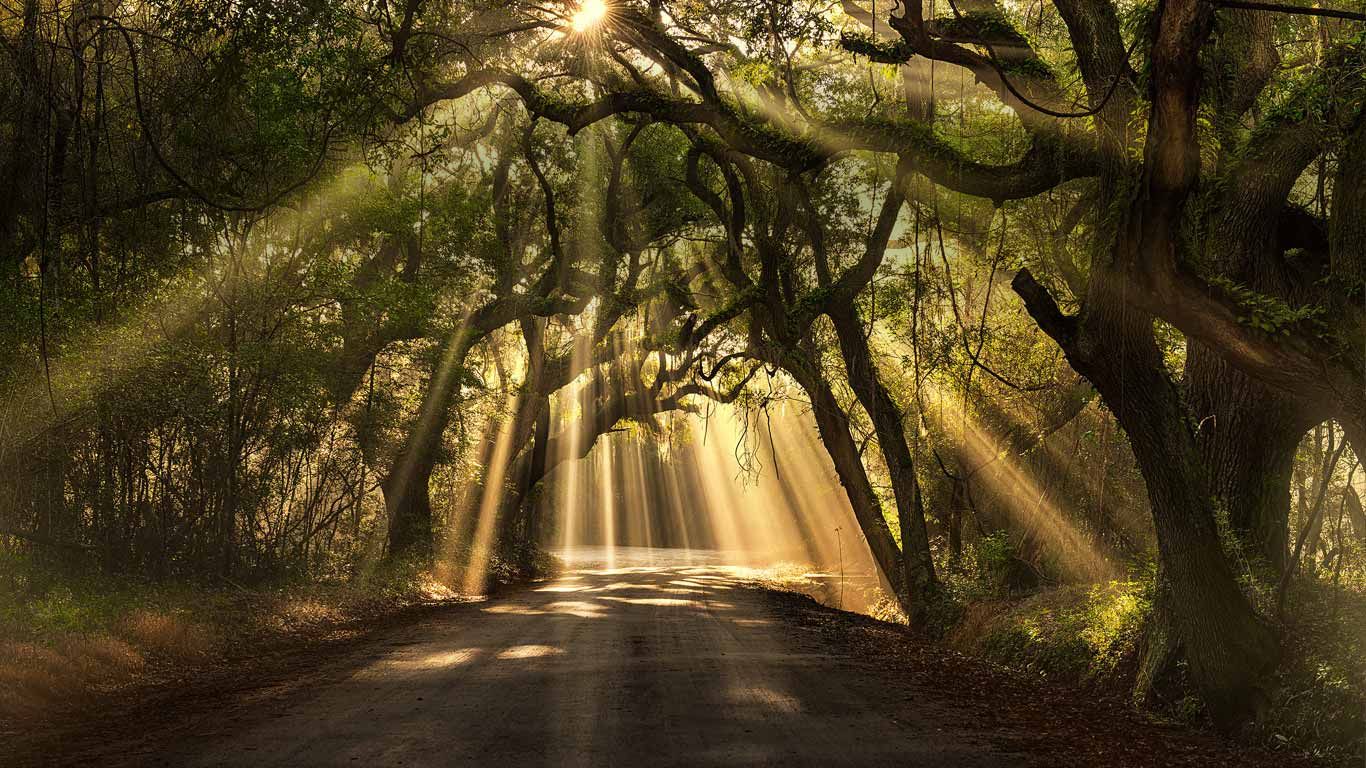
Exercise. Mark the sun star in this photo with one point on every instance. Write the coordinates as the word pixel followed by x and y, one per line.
pixel 589 15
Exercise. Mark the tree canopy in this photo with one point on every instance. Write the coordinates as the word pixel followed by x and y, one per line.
pixel 289 283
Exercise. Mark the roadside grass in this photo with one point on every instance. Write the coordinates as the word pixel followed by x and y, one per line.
pixel 65 639
pixel 1083 633
pixel 1090 634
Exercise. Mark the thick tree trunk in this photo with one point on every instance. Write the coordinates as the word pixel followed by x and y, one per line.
pixel 917 562
pixel 539 459
pixel 517 529
pixel 1229 649
pixel 531 427
pixel 1247 434
pixel 407 486
pixel 1157 680
pixel 408 501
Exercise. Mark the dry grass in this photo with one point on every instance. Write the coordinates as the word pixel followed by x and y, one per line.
pixel 299 614
pixel 31 679
pixel 166 636
pixel 66 646
pixel 36 678
pixel 976 621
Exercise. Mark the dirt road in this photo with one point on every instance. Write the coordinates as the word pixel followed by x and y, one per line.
pixel 665 661
pixel 662 664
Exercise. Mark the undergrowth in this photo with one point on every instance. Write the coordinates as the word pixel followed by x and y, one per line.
pixel 71 634
pixel 1090 634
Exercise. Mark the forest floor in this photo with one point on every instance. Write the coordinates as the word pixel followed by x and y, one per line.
pixel 664 664
pixel 67 642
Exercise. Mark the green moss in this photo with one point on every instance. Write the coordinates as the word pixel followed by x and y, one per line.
pixel 880 51
pixel 991 27
pixel 1029 66
pixel 1268 313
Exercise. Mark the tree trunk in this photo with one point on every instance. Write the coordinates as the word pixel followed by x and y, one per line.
pixel 407 499
pixel 539 460
pixel 1247 435
pixel 407 486
pixel 917 562
pixel 1229 649
pixel 517 511
pixel 1157 679
pixel 833 426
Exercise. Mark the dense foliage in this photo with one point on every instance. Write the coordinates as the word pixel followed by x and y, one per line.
pixel 1072 294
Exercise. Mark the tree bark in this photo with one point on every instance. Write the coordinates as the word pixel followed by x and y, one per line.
pixel 922 586
pixel 1229 649
pixel 1247 435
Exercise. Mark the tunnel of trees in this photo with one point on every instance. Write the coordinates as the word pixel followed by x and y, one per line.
pixel 291 285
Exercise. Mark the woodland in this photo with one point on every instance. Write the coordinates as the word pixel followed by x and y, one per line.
pixel 1069 296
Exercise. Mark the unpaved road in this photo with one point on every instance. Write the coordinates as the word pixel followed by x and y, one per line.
pixel 632 666
pixel 666 663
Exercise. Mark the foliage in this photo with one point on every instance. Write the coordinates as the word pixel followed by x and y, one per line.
pixel 1086 634
pixel 1267 313
pixel 876 50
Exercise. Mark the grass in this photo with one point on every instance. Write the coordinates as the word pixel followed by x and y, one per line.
pixel 1321 685
pixel 1089 634
pixel 1083 633
pixel 65 639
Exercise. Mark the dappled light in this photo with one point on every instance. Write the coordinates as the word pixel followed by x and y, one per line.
pixel 682 382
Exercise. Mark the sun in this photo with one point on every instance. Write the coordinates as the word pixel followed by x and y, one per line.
pixel 589 15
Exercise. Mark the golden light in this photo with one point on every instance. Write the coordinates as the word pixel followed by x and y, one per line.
pixel 590 14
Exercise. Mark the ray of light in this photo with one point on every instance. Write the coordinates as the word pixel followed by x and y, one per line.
pixel 607 506
pixel 491 503
pixel 1026 500
pixel 569 472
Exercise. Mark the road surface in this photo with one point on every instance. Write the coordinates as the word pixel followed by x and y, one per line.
pixel 659 661
pixel 659 658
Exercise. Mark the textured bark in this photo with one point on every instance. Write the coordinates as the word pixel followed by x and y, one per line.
pixel 1247 434
pixel 1156 681
pixel 1229 649
pixel 1347 227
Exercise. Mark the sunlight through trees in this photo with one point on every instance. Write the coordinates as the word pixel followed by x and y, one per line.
pixel 969 307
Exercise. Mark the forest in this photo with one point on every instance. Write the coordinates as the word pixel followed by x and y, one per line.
pixel 1032 333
